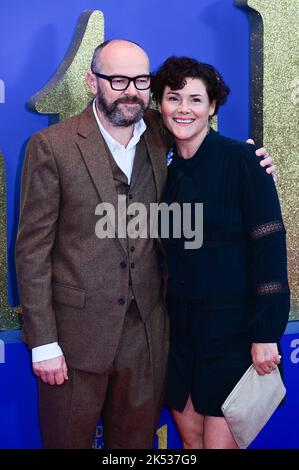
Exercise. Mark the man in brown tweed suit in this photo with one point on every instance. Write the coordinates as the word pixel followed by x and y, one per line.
pixel 94 314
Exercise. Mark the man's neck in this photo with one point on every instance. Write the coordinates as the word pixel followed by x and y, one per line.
pixel 121 134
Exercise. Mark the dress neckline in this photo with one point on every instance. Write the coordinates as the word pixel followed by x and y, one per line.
pixel 187 164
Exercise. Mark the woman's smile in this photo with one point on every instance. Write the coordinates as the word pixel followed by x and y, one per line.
pixel 183 121
pixel 186 113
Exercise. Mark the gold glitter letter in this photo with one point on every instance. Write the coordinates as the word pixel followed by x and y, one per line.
pixel 162 437
pixel 66 93
pixel 275 107
pixel 9 318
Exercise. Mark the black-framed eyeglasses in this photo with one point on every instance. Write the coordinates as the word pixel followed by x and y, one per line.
pixel 121 83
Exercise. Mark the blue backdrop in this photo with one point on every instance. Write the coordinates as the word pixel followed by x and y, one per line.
pixel 34 37
pixel 19 410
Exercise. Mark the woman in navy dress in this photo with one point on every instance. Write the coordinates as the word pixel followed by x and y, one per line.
pixel 228 300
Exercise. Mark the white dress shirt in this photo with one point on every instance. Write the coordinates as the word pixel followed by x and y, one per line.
pixel 124 158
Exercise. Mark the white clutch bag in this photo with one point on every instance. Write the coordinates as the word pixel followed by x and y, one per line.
pixel 251 404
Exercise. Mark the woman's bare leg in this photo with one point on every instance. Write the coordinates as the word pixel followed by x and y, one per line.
pixel 217 434
pixel 190 425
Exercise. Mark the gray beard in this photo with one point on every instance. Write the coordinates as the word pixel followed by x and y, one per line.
pixel 115 115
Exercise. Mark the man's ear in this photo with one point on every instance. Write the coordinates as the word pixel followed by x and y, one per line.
pixel 92 82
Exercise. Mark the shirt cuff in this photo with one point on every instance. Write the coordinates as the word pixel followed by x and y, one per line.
pixel 46 351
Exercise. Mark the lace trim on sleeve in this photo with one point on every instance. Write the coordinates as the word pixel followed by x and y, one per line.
pixel 272 288
pixel 267 229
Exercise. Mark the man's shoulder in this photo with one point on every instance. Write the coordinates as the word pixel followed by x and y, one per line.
pixel 65 130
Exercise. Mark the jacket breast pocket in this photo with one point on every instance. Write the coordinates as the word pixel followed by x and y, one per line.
pixel 68 295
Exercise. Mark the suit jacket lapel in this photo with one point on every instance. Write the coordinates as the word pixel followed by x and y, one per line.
pixel 157 149
pixel 94 154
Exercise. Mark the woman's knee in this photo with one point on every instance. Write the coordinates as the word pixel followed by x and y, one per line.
pixel 190 426
pixel 217 434
pixel 193 439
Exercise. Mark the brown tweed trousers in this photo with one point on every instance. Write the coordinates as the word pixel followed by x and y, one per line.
pixel 101 299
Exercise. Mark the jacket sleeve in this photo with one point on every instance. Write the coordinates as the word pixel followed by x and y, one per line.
pixel 39 209
pixel 264 224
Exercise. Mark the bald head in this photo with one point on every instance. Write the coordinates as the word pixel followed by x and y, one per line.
pixel 120 57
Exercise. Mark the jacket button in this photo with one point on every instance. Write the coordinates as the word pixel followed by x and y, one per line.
pixel 130 196
pixel 123 264
pixel 132 248
pixel 132 265
pixel 121 302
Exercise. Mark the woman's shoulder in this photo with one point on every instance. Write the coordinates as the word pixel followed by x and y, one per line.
pixel 236 151
pixel 236 147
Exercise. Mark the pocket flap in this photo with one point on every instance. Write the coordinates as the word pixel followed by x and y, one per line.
pixel 68 295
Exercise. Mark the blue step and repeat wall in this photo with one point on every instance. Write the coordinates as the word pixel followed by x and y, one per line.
pixel 34 39
pixel 19 410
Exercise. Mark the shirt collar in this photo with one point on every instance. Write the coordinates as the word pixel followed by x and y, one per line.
pixel 139 129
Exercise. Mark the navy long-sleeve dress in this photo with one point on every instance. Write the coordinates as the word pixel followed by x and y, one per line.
pixel 232 291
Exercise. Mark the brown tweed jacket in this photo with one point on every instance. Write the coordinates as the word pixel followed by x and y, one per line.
pixel 72 288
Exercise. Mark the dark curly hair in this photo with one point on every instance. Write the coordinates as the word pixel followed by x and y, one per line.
pixel 174 72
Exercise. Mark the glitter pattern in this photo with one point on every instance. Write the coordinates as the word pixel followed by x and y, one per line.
pixel 279 104
pixel 67 93
pixel 9 316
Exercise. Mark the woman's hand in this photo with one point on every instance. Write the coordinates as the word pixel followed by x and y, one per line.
pixel 265 357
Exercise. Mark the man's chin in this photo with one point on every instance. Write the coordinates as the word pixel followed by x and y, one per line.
pixel 132 114
pixel 126 116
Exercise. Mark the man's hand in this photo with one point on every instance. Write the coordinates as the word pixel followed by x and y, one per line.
pixel 51 371
pixel 267 160
pixel 265 357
